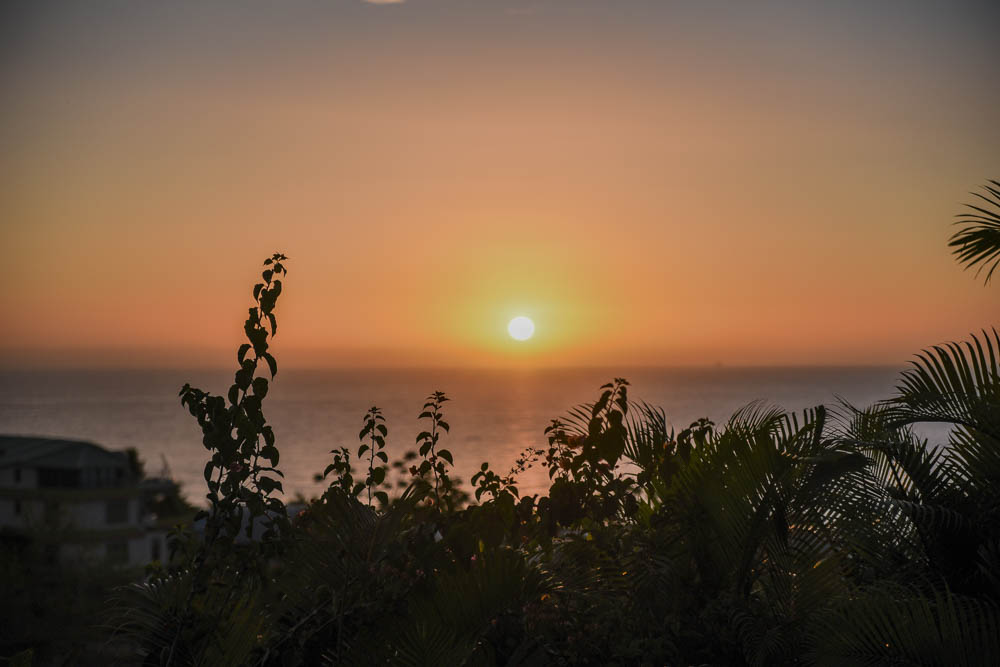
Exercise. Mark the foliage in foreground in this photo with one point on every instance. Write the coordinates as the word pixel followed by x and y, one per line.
pixel 833 537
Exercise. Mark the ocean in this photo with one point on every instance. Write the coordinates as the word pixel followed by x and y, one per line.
pixel 493 414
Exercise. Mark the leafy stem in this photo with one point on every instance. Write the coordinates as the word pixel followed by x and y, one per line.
pixel 433 458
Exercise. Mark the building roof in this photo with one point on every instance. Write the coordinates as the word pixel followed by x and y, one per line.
pixel 32 452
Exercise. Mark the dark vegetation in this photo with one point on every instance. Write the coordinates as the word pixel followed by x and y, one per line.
pixel 837 536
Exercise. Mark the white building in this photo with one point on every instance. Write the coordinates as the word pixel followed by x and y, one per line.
pixel 82 502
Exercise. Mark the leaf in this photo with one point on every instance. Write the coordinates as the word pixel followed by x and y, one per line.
pixel 271 364
pixel 260 387
pixel 446 455
pixel 266 275
pixel 977 243
pixel 242 380
pixel 952 384
pixel 270 453
pixel 601 403
pixel 382 497
pixel 378 475
pixel 244 348
pixel 444 425
pixel 267 485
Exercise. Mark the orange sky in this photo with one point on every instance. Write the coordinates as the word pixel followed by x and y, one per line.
pixel 651 182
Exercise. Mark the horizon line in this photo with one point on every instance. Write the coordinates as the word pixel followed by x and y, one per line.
pixel 469 367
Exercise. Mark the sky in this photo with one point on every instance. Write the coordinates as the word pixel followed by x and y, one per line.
pixel 651 182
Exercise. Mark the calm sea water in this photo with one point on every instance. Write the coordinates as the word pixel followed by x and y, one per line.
pixel 494 415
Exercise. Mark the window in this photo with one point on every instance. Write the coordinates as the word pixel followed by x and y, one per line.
pixel 117 511
pixel 117 552
pixel 58 477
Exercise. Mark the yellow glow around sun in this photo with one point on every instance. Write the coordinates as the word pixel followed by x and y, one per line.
pixel 521 328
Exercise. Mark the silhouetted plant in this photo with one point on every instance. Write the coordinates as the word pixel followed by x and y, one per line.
pixel 237 434
pixel 582 458
pixel 376 431
pixel 340 473
pixel 589 448
pixel 498 486
pixel 434 458
pixel 184 615
pixel 977 243
pixel 487 481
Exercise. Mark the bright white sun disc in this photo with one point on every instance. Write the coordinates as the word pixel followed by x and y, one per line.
pixel 521 328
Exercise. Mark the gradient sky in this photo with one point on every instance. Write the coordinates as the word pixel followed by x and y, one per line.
pixel 652 182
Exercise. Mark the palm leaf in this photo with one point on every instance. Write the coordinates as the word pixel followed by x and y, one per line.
pixel 976 244
pixel 221 625
pixel 954 384
pixel 898 626
pixel 647 431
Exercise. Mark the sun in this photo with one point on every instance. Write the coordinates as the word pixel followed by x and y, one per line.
pixel 521 328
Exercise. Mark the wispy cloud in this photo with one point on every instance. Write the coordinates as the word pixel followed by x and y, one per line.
pixel 385 2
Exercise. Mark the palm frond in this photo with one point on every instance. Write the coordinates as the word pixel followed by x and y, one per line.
pixel 899 626
pixel 220 625
pixel 976 244
pixel 764 491
pixel 647 431
pixel 954 384
pixel 151 613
